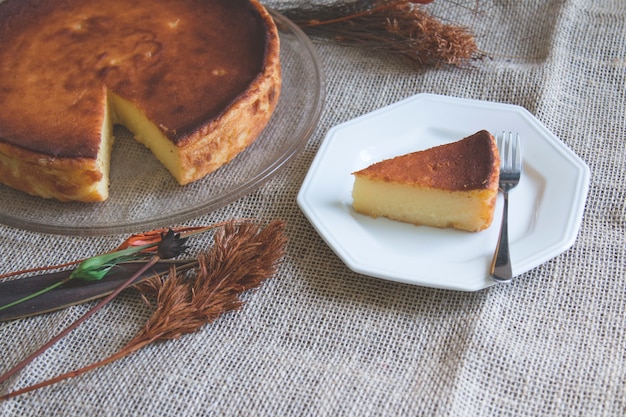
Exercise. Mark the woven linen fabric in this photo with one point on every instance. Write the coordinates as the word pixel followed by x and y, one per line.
pixel 321 340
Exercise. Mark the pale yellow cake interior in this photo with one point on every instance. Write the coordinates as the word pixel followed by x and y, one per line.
pixel 120 111
pixel 103 163
pixel 146 133
pixel 422 206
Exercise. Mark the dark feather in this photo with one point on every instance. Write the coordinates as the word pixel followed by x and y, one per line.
pixel 72 292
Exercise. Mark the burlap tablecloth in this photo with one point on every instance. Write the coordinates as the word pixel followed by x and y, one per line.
pixel 319 339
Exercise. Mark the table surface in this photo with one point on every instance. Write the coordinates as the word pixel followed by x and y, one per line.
pixel 319 339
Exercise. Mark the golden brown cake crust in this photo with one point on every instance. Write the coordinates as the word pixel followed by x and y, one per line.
pixel 57 55
pixel 50 177
pixel 464 165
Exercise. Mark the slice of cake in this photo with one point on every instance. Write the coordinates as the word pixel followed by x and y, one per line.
pixel 453 185
pixel 195 81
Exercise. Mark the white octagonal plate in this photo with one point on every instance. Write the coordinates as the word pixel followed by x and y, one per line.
pixel 545 209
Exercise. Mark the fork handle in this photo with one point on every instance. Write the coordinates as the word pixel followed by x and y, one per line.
pixel 501 263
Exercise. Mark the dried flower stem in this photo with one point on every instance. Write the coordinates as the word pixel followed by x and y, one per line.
pixel 37 294
pixel 170 246
pixel 378 7
pixel 78 322
pixel 399 26
pixel 152 237
pixel 243 256
pixel 118 355
pixel 136 247
pixel 38 269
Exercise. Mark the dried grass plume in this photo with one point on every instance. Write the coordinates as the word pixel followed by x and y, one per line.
pixel 242 256
pixel 399 26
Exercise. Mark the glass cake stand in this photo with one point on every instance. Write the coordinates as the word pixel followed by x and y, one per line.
pixel 144 196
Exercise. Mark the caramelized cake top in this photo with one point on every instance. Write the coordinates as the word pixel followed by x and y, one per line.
pixel 469 164
pixel 181 62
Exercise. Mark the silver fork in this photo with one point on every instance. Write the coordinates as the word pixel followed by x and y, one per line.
pixel 510 172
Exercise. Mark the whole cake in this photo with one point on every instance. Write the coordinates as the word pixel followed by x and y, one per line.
pixel 452 185
pixel 196 81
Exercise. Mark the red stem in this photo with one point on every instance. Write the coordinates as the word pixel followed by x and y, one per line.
pixel 118 355
pixel 37 269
